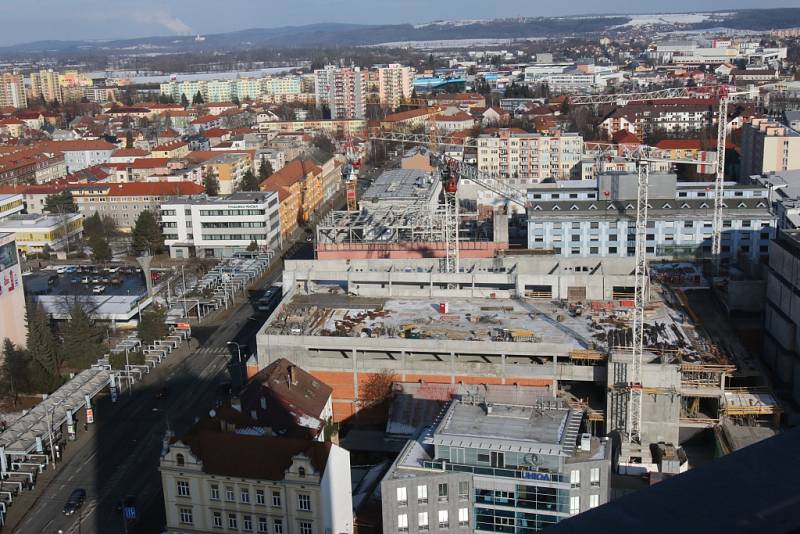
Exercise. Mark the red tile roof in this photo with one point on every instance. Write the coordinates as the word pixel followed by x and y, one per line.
pixel 129 152
pixel 410 114
pixel 692 144
pixel 131 189
pixel 624 137
pixel 294 171
pixel 149 163
pixel 77 145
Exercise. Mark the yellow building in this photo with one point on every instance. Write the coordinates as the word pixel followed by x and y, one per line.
pixel 36 232
pixel 11 204
pixel 300 191
pixel 45 85
pixel 229 170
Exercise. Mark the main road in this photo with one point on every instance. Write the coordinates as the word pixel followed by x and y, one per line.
pixel 120 455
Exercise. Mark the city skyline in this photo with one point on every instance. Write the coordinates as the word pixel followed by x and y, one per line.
pixel 89 19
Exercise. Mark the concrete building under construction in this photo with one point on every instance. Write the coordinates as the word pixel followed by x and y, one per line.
pixel 559 323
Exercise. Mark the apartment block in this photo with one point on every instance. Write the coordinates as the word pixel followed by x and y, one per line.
pixel 498 461
pixel 12 91
pixel 343 90
pixel 768 147
pixel 680 115
pixel 45 86
pixel 217 227
pixel 299 186
pixel 394 85
pixel 596 218
pixel 216 479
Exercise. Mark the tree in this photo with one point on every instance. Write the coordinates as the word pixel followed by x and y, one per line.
pixel 14 372
pixel 104 227
pixel 249 182
pixel 45 373
pixel 101 250
pixel 152 325
pixel 235 100
pixel 197 98
pixel 264 170
pixel 82 340
pixel 129 139
pixel 377 388
pixel 211 184
pixel 60 203
pixel 253 246
pixel 324 143
pixel 184 101
pixel 147 234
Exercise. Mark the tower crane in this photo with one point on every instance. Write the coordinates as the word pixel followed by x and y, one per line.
pixel 627 375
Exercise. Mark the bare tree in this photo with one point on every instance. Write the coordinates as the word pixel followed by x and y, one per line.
pixel 377 389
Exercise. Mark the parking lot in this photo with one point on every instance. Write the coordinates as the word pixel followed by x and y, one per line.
pixel 86 280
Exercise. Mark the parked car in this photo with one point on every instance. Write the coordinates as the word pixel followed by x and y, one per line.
pixel 98 289
pixel 85 280
pixel 75 501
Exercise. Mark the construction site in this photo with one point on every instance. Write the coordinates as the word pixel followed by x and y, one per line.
pixel 561 324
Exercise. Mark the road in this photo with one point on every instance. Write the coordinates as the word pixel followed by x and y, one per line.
pixel 121 455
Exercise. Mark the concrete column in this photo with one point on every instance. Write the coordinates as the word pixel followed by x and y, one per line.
pixel 355 377
pixel 403 365
pixel 452 367
pixel 502 368
pixel 555 375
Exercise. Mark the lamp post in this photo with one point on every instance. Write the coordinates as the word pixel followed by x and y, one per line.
pixel 239 359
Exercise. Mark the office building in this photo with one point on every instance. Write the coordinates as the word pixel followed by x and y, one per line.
pixel 12 297
pixel 12 91
pixel 394 85
pixel 11 204
pixel 39 233
pixel 215 227
pixel 782 311
pixel 45 86
pixel 768 147
pixel 343 90
pixel 216 479
pixel 497 461
pixel 592 218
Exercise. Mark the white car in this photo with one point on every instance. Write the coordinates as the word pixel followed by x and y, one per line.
pixel 98 289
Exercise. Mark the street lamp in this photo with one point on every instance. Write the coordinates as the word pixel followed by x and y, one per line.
pixel 50 433
pixel 239 359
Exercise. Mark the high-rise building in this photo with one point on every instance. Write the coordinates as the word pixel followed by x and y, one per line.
pixel 769 147
pixel 45 84
pixel 12 91
pixel 343 90
pixel 394 85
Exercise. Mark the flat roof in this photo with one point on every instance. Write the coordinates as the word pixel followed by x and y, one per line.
pixel 249 197
pixel 401 184
pixel 26 221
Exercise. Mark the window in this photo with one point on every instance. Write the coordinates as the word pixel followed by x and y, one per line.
pixel 594 477
pixel 594 501
pixel 305 527
pixel 463 489
pixel 216 519
pixel 214 492
pixel 422 494
pixel 301 472
pixel 402 498
pixel 304 502
pixel 233 522
pixel 277 525
pixel 575 478
pixel 443 492
pixel 402 522
pixel 179 459
pixel 260 498
pixel 463 517
pixel 262 524
pixel 276 498
pixel 443 520
pixel 422 521
pixel 247 522
pixel 245 495
pixel 183 488
pixel 574 505
pixel 229 495
pixel 186 516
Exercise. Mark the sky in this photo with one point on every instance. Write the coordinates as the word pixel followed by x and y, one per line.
pixel 24 21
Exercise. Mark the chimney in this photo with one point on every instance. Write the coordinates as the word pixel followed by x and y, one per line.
pixel 292 377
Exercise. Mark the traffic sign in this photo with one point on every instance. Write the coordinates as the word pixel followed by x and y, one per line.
pixel 89 416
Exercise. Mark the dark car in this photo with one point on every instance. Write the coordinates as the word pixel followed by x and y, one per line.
pixel 75 501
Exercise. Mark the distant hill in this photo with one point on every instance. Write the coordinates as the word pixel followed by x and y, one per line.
pixel 335 34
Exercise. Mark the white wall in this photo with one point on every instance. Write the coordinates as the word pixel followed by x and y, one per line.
pixel 337 494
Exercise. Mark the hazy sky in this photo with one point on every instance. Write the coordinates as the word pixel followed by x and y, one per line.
pixel 31 20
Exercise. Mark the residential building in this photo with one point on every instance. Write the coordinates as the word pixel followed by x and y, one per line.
pixel 463 101
pixel 45 86
pixel 768 147
pixel 124 202
pixel 782 312
pixel 413 118
pixel 343 90
pixel 29 165
pixel 229 169
pixel 300 188
pixel 215 227
pixel 12 91
pixel 453 122
pixel 394 85
pixel 172 150
pixel 497 461
pixel 678 115
pixel 38 233
pixel 525 158
pixel 12 297
pixel 288 401
pixel 216 480
pixel 596 218
pixel 81 153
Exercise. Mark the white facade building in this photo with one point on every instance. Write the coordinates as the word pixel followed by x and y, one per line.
pixel 214 227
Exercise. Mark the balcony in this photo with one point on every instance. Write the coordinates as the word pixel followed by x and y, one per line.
pixel 522 474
